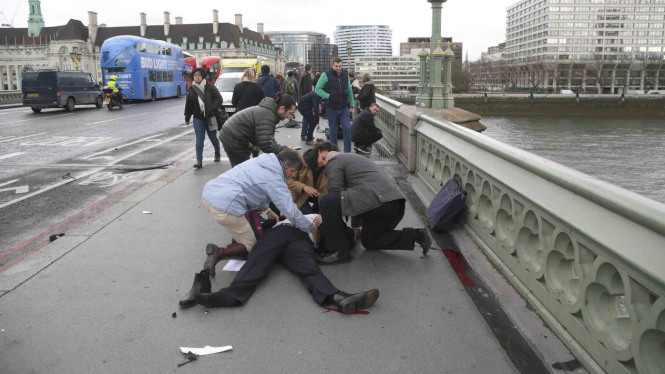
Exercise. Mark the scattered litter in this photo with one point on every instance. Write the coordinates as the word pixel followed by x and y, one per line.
pixel 363 312
pixel 207 312
pixel 68 175
pixel 486 294
pixel 233 265
pixel 52 238
pixel 146 212
pixel 189 357
pixel 3 330
pixel 207 350
pixel 489 314
pixel 174 315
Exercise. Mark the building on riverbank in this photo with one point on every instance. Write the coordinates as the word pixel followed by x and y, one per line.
pixel 582 45
pixel 384 71
pixel 305 47
pixel 39 47
pixel 366 41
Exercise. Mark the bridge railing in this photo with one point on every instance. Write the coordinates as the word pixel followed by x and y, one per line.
pixel 11 97
pixel 587 255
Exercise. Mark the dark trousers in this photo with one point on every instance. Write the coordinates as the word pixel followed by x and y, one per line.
pixel 235 158
pixel 295 251
pixel 310 119
pixel 367 139
pixel 378 226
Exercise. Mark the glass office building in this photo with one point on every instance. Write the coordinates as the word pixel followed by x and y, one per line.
pixel 305 47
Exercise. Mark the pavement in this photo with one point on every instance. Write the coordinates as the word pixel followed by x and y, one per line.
pixel 101 298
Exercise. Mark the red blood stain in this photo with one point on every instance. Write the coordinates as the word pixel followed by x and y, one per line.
pixel 459 265
pixel 364 312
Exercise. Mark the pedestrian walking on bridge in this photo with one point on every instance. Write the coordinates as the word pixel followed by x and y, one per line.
pixel 202 101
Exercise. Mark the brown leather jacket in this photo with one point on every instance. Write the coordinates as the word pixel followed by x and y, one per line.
pixel 306 178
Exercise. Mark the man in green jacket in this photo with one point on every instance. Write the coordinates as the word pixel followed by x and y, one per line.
pixel 334 86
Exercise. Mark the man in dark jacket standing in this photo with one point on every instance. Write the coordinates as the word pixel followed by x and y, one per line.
pixel 269 83
pixel 308 106
pixel 305 83
pixel 358 188
pixel 334 86
pixel 364 132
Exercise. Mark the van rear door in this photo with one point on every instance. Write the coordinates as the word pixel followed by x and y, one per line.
pixel 40 88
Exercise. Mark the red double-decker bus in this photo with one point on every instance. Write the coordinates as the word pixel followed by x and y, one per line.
pixel 212 65
pixel 190 65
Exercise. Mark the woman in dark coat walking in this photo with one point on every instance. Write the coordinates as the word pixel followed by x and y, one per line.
pixel 247 92
pixel 202 101
pixel 367 94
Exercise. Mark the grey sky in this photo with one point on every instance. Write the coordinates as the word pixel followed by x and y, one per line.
pixel 477 23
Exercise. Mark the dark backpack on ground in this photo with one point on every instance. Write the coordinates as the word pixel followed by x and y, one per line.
pixel 447 206
pixel 340 134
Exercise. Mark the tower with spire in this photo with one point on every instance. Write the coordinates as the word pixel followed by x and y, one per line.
pixel 35 20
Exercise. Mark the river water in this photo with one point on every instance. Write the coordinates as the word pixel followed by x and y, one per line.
pixel 627 152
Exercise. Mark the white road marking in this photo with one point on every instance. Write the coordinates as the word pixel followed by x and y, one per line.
pixel 19 189
pixel 118 147
pixel 21 137
pixel 10 182
pixel 115 119
pixel 11 155
pixel 67 141
pixel 36 119
pixel 91 172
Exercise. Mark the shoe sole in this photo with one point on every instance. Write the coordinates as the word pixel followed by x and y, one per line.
pixel 336 262
pixel 208 265
pixel 364 302
pixel 428 242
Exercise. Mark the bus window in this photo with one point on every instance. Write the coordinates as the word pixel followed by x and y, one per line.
pixel 168 51
pixel 170 76
pixel 159 76
pixel 153 77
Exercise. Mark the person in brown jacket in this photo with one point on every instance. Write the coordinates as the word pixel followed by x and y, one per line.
pixel 311 183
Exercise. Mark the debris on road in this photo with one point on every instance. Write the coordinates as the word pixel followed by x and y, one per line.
pixel 146 212
pixel 207 350
pixel 53 238
pixel 174 315
pixel 189 357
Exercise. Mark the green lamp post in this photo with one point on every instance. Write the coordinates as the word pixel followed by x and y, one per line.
pixel 437 6
pixel 435 75
pixel 424 99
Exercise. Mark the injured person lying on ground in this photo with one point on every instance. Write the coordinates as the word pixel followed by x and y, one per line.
pixel 294 249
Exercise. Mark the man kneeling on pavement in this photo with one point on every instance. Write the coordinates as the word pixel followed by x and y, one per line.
pixel 358 188
pixel 248 187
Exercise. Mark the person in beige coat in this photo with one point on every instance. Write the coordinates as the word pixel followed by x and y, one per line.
pixel 311 183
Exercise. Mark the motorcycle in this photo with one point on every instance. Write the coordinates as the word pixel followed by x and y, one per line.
pixel 111 99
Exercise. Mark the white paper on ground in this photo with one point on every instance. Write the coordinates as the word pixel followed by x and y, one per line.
pixel 207 350
pixel 146 212
pixel 234 265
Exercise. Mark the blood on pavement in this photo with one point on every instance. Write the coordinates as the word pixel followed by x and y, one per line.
pixel 459 265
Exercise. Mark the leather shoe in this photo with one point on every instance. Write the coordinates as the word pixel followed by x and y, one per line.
pixel 216 254
pixel 334 258
pixel 349 303
pixel 422 238
pixel 201 285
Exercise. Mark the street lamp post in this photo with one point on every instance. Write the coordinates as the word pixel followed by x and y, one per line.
pixel 349 49
pixel 76 56
pixel 437 5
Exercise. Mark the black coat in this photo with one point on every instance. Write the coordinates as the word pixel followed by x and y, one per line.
pixel 253 126
pixel 247 94
pixel 305 85
pixel 212 100
pixel 367 95
pixel 363 123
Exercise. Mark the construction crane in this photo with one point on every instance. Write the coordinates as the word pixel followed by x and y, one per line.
pixel 9 22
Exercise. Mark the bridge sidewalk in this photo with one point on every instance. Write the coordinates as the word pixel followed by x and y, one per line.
pixel 105 302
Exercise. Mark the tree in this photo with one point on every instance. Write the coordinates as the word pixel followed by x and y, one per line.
pixel 625 64
pixel 510 72
pixel 534 74
pixel 650 68
pixel 462 80
pixel 602 71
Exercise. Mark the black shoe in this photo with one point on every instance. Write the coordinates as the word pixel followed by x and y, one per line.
pixel 218 157
pixel 201 285
pixel 349 303
pixel 199 164
pixel 422 238
pixel 303 138
pixel 364 150
pixel 334 258
pixel 356 149
pixel 216 300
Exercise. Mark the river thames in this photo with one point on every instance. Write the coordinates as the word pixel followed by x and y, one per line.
pixel 627 152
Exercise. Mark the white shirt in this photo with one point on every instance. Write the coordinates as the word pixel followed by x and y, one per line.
pixel 310 217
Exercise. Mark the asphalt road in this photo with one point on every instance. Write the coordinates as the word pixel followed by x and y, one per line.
pixel 55 165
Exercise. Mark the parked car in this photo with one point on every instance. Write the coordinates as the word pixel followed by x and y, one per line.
pixel 656 92
pixel 60 89
pixel 567 92
pixel 225 84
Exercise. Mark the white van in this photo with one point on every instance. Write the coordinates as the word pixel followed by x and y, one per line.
pixel 656 92
pixel 567 92
pixel 225 84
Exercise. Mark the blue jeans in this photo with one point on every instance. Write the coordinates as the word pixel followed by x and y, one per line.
pixel 343 117
pixel 201 128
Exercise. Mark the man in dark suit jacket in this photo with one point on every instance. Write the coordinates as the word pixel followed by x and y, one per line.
pixel 358 188
pixel 305 83
pixel 364 132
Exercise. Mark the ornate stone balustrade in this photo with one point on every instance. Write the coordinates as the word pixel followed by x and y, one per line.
pixel 11 97
pixel 587 255
pixel 385 119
